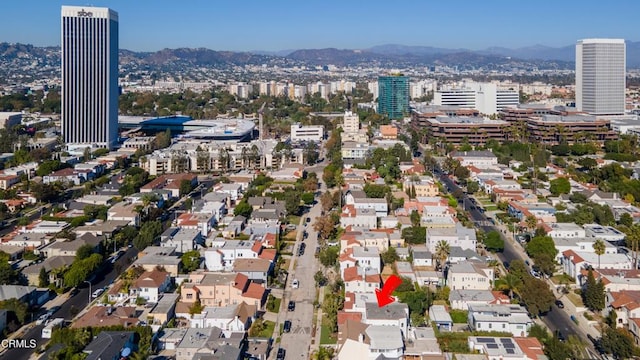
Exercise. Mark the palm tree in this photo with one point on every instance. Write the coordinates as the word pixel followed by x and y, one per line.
pixel 442 253
pixel 598 247
pixel 531 222
pixel 511 283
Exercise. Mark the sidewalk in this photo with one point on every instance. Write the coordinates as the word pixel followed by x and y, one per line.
pixel 316 342
pixel 586 326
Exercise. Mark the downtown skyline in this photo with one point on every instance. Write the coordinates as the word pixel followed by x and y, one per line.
pixel 264 26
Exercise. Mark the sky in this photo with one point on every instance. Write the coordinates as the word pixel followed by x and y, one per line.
pixel 272 25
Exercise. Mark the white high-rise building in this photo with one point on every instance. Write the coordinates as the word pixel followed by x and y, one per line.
pixel 351 123
pixel 89 77
pixel 601 76
pixel 487 98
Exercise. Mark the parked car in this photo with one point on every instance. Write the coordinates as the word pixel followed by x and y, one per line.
pixel 287 326
pixel 292 305
pixel 295 284
pixel 281 354
pixel 43 319
pixel 559 304
pixel 97 293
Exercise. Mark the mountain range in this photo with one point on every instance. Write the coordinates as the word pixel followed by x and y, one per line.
pixel 391 55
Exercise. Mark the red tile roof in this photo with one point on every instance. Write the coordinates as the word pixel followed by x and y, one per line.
pixel 151 279
pixel 343 316
pixel 268 254
pixel 254 291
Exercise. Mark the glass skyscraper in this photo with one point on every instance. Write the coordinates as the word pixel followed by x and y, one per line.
pixel 393 96
pixel 89 77
pixel 601 76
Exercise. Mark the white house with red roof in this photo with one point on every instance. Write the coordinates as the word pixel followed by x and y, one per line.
pixel 363 218
pixel 346 261
pixel 573 262
pixel 357 280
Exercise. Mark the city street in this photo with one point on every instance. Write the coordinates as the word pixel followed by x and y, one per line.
pixel 298 342
pixel 79 301
pixel 556 319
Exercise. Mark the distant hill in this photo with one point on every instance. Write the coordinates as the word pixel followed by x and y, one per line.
pixel 389 55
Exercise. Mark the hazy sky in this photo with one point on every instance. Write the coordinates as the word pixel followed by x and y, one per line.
pixel 238 25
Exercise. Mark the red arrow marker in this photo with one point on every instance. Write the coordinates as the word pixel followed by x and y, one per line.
pixel 384 295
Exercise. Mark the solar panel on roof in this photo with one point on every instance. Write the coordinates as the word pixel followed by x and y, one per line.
pixel 486 340
pixel 510 351
pixel 492 346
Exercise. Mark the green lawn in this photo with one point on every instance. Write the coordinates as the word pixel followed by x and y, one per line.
pixel 490 208
pixel 292 219
pixel 486 202
pixel 276 305
pixel 326 337
pixel 575 299
pixel 268 330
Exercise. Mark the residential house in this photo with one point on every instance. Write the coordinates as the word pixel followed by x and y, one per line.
pixel 256 270
pixel 7 181
pixel 53 265
pixel 394 314
pixel 460 236
pixel 470 276
pixel 439 315
pixel 357 280
pixel 170 182
pixel 202 222
pixel 361 218
pixel 481 159
pixel 110 345
pixel 156 256
pixel 69 176
pixel 498 348
pixel 606 233
pixel 424 186
pixel 573 262
pixel 163 311
pixel 461 299
pixel 69 248
pixel 421 256
pixel 542 211
pixel 28 241
pixel 183 240
pixel 233 190
pixel 229 318
pixel 150 285
pixel 626 304
pixel 504 318
pixel 368 258
pixel 125 212
pixel 222 253
pixel 170 338
pixel 378 205
pixel 105 316
pixel 220 289
pixel 29 295
pixel 198 341
pixel 584 244
pixel 371 342
pixel 566 230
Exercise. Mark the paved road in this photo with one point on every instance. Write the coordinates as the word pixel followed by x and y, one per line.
pixel 79 301
pixel 555 319
pixel 298 342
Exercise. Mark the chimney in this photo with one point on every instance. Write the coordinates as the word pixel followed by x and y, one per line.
pixel 361 338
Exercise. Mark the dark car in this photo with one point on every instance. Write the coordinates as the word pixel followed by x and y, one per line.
pixel 301 249
pixel 559 304
pixel 281 354
pixel 317 251
pixel 287 326
pixel 292 305
pixel 73 292
pixel 561 336
pixel 308 219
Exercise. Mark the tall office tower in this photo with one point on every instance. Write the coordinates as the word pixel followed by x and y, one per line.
pixel 89 77
pixel 393 96
pixel 600 76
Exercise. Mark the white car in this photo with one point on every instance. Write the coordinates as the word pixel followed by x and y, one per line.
pixel 295 284
pixel 43 319
pixel 97 293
